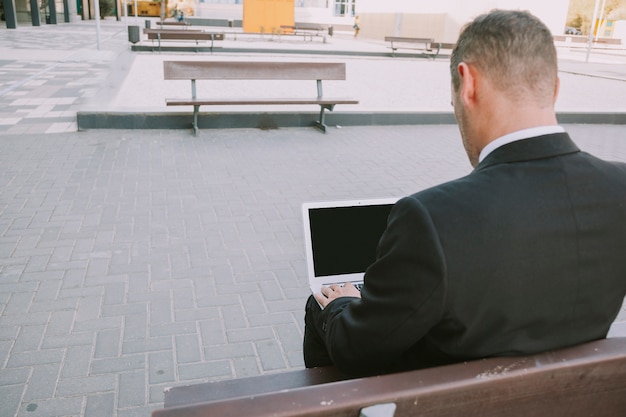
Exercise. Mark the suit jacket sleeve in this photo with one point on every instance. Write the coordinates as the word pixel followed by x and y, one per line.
pixel 402 299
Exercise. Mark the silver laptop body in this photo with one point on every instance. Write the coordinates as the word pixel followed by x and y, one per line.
pixel 341 238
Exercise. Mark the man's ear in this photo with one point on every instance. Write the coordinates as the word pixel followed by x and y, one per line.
pixel 468 83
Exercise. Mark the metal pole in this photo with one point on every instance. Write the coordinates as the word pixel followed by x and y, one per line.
pixel 126 11
pixel 590 37
pixel 601 18
pixel 9 13
pixel 97 7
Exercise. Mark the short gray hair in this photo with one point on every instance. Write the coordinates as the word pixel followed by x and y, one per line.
pixel 514 49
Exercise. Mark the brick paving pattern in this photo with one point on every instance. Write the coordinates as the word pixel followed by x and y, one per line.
pixel 132 261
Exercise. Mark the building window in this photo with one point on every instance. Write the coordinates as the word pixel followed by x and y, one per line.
pixel 344 7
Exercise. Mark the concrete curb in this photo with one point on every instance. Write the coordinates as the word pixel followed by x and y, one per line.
pixel 270 120
pixel 279 51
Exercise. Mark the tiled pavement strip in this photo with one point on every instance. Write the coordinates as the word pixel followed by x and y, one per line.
pixel 47 73
pixel 131 261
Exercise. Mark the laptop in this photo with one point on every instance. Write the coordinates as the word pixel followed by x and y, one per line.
pixel 341 238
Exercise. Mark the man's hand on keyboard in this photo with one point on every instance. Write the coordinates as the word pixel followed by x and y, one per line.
pixel 333 291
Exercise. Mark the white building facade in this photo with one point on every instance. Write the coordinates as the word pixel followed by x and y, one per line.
pixel 441 19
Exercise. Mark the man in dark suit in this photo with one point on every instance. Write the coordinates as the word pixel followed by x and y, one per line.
pixel 525 254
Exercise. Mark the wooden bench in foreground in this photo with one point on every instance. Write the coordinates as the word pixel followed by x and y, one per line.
pixel 216 70
pixel 189 34
pixel 428 45
pixel 586 380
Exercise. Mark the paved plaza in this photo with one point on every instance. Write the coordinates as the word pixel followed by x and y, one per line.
pixel 136 260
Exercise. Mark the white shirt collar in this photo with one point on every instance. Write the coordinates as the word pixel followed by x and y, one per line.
pixel 519 135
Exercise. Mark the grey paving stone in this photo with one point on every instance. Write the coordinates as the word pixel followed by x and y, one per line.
pixel 145 345
pixel 188 348
pixel 196 314
pixel 204 370
pixel 250 334
pixel 212 332
pixel 246 366
pixel 61 321
pixel 29 338
pixel 125 363
pixel 15 376
pixel 35 358
pixel 158 330
pixel 260 320
pixel 161 367
pixel 11 398
pixel 157 393
pixel 137 411
pixel 108 343
pixel 87 385
pixel 101 405
pixel 42 383
pixel 271 355
pixel 77 361
pixel 132 390
pixel 18 303
pixel 98 324
pixel 72 339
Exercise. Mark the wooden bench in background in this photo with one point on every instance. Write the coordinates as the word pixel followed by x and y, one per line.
pixel 428 45
pixel 242 70
pixel 304 31
pixel 176 23
pixel 176 34
pixel 586 380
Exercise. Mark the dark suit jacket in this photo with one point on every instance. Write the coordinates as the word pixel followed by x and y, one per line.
pixel 525 254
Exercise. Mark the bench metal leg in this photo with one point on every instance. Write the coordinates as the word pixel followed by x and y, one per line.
pixel 320 123
pixel 438 50
pixel 195 120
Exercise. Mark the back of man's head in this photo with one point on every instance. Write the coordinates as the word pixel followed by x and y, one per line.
pixel 515 50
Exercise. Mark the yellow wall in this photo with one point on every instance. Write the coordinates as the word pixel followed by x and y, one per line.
pixel 267 16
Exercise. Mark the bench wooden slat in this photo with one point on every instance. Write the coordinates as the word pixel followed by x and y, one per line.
pixel 177 34
pixel 212 391
pixel 586 380
pixel 445 45
pixel 430 47
pixel 259 101
pixel 408 40
pixel 239 70
pixel 173 23
pixel 311 28
pixel 148 31
pixel 185 35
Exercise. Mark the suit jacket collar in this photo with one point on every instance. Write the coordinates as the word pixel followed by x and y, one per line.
pixel 540 147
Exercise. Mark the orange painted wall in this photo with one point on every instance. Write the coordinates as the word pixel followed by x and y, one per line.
pixel 267 16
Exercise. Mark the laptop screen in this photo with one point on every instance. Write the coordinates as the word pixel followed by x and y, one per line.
pixel 344 239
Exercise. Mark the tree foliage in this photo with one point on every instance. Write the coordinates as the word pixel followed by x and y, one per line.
pixel 580 12
pixel 106 7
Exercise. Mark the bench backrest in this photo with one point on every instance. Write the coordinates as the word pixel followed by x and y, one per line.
pixel 185 35
pixel 589 379
pixel 408 40
pixel 241 70
pixel 148 31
